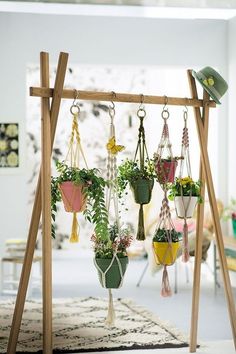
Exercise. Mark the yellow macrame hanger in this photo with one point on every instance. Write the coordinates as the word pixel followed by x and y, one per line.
pixel 74 154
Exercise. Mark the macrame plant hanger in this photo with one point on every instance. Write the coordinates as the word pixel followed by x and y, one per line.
pixel 185 161
pixel 165 170
pixel 139 157
pixel 74 154
pixel 168 256
pixel 112 195
pixel 165 222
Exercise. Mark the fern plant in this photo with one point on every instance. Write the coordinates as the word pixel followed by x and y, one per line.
pixel 94 192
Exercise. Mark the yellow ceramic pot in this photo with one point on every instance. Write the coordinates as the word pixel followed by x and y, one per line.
pixel 165 252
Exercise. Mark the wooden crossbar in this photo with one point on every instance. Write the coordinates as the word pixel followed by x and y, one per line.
pixel 121 97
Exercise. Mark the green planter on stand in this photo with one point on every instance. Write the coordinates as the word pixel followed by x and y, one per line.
pixel 142 190
pixel 113 277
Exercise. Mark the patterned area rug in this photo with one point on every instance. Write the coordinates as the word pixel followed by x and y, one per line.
pixel 78 326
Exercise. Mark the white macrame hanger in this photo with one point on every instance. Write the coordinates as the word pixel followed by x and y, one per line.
pixel 111 195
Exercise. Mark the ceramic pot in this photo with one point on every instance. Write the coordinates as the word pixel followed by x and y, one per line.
pixel 234 227
pixel 165 171
pixel 113 278
pixel 72 197
pixel 184 205
pixel 142 190
pixel 165 253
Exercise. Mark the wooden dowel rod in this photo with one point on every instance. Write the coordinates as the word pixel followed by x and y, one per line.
pixel 199 224
pixel 36 213
pixel 46 208
pixel 120 97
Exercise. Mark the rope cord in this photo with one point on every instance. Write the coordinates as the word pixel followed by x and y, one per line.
pixel 185 206
pixel 164 174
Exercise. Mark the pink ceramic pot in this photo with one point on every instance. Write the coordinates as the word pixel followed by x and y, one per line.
pixel 165 171
pixel 72 197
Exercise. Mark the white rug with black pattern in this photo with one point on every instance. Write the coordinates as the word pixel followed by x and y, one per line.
pixel 78 326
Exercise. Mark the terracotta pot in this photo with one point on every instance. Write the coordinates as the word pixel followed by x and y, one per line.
pixel 113 278
pixel 72 197
pixel 165 171
pixel 185 205
pixel 165 253
pixel 142 190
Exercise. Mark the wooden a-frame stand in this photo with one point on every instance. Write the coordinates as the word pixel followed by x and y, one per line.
pixel 42 201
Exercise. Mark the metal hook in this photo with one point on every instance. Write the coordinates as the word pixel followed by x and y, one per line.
pixel 185 113
pixel 141 106
pixel 166 102
pixel 141 113
pixel 75 108
pixel 112 107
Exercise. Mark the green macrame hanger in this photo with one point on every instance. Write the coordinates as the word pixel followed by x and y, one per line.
pixel 141 151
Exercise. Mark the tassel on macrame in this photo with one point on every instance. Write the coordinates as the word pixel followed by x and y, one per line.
pixel 141 230
pixel 185 250
pixel 74 237
pixel 166 290
pixel 111 316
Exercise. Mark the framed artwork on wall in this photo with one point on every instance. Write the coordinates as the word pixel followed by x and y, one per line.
pixel 9 145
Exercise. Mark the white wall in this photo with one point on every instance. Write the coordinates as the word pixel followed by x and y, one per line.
pixel 95 40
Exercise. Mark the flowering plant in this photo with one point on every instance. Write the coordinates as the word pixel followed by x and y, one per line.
pixel 185 186
pixel 118 242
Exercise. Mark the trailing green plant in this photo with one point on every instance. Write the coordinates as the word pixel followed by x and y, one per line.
pixel 94 191
pixel 117 242
pixel 129 171
pixel 161 235
pixel 185 186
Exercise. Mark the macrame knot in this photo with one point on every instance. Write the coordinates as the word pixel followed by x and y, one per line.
pixel 185 138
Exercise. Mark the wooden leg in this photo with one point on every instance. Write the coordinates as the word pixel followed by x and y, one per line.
pixel 36 213
pixel 46 208
pixel 217 227
pixel 199 226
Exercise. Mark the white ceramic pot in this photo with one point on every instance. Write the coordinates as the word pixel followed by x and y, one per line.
pixel 185 206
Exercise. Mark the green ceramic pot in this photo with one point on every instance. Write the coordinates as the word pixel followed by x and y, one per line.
pixel 113 277
pixel 142 190
pixel 234 227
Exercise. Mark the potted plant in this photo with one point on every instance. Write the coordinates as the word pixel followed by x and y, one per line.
pixel 82 190
pixel 230 213
pixel 186 193
pixel 165 245
pixel 165 168
pixel 111 258
pixel 140 181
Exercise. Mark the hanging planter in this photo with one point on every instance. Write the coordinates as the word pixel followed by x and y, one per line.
pixel 165 170
pixel 139 173
pixel 111 271
pixel 185 206
pixel 165 243
pixel 111 258
pixel 76 185
pixel 142 190
pixel 72 196
pixel 186 193
pixel 165 246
